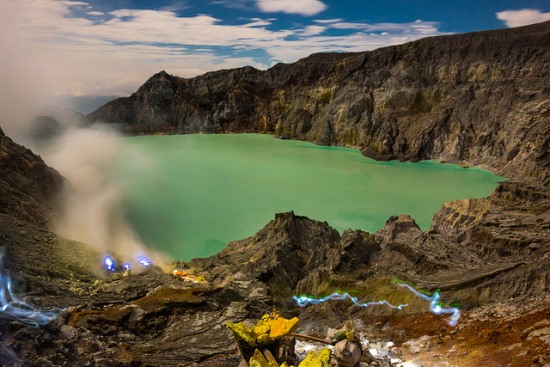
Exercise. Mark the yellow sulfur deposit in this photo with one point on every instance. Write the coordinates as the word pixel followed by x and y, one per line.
pixel 259 360
pixel 242 332
pixel 280 327
pixel 318 358
pixel 269 328
pixel 261 337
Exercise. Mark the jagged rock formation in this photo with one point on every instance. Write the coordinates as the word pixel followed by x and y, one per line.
pixel 477 251
pixel 491 253
pixel 481 98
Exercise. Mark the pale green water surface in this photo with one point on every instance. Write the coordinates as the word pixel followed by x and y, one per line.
pixel 190 195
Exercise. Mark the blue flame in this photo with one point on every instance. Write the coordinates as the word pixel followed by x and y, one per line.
pixel 144 261
pixel 14 309
pixel 110 263
pixel 303 301
pixel 435 306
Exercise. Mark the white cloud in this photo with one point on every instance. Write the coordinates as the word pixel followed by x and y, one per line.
pixel 177 6
pixel 416 26
pixel 324 21
pixel 302 7
pixel 312 30
pixel 518 18
pixel 235 4
pixel 257 22
pixel 57 51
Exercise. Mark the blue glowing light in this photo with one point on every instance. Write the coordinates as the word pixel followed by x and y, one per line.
pixel 126 266
pixel 303 301
pixel 14 309
pixel 144 261
pixel 110 263
pixel 435 305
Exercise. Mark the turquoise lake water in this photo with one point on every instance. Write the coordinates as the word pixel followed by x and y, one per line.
pixel 190 195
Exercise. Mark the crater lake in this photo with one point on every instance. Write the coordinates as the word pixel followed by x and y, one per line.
pixel 190 195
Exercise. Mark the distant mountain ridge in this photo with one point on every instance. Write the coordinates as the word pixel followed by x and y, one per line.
pixel 479 98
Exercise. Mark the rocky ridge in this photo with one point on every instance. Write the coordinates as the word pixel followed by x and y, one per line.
pixel 479 98
pixel 474 261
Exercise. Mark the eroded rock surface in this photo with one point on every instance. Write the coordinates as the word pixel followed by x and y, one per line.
pixel 28 187
pixel 497 250
pixel 477 251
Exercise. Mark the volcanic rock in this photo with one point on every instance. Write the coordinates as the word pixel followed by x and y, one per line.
pixel 149 318
pixel 296 255
pixel 346 353
pixel 154 319
pixel 27 186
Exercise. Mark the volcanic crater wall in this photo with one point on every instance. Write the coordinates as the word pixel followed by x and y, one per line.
pixel 27 186
pixel 478 98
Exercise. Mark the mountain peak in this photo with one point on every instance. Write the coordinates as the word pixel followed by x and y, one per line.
pixel 161 73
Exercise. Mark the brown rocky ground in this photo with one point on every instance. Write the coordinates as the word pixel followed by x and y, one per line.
pixel 497 334
pixel 512 334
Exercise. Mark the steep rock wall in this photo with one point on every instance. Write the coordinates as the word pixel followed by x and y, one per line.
pixel 27 185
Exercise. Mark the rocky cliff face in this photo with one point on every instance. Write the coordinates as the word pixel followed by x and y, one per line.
pixel 27 186
pixel 50 273
pixel 480 98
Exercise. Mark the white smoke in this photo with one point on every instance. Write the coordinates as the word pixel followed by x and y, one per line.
pixel 91 205
pixel 90 208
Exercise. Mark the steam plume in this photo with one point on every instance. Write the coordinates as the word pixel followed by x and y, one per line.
pixel 90 207
pixel 91 204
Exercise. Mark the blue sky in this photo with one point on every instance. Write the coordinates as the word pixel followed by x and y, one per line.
pixel 93 47
pixel 455 16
